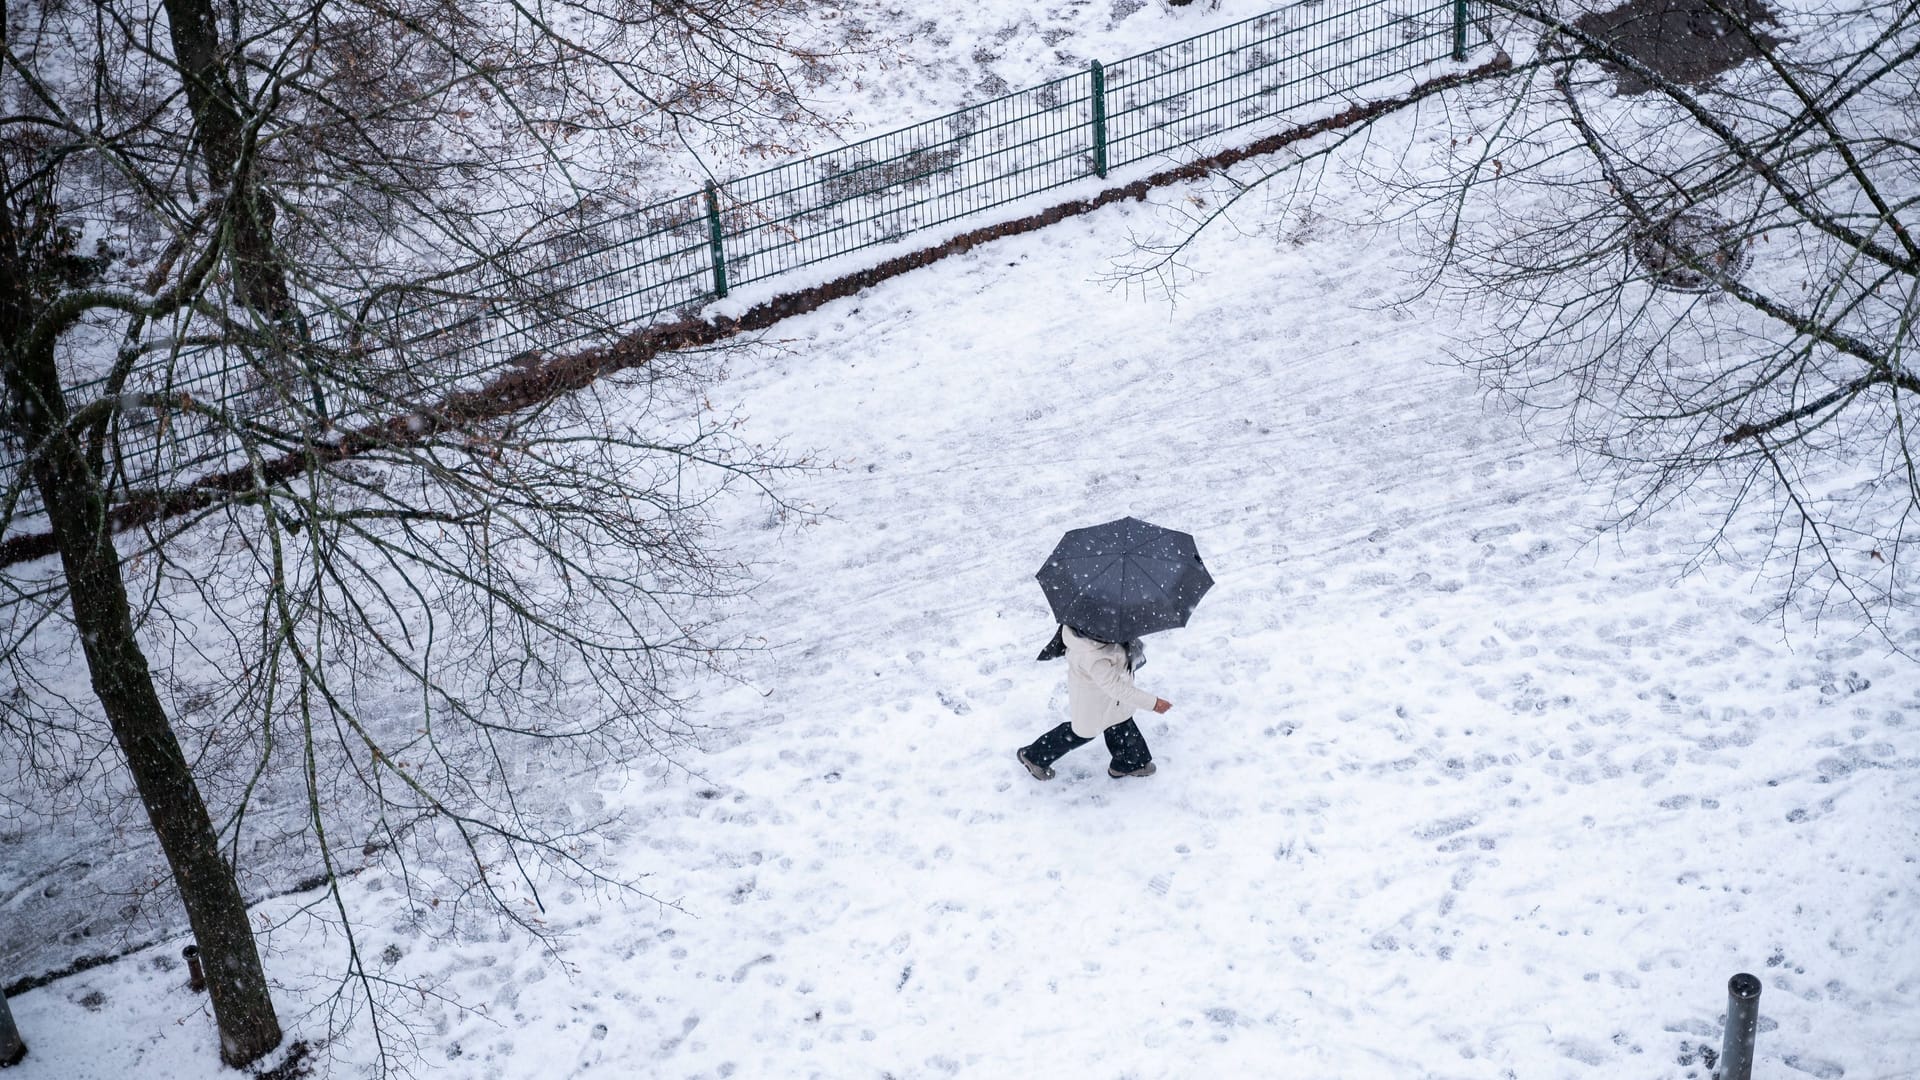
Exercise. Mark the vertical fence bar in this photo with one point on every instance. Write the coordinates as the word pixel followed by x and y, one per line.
pixel 713 240
pixel 1099 120
pixel 1459 30
pixel 1743 1019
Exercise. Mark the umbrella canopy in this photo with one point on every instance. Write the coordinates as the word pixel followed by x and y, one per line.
pixel 1123 579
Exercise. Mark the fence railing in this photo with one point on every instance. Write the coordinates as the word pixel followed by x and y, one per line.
pixel 1150 106
pixel 623 271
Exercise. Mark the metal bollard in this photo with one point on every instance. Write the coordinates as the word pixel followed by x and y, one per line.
pixel 1743 1018
pixel 196 978
pixel 12 1047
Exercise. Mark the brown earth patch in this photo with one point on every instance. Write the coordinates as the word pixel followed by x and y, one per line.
pixel 1685 41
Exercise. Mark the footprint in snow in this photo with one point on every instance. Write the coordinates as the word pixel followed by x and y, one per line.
pixel 1435 830
pixel 1816 1067
pixel 668 1046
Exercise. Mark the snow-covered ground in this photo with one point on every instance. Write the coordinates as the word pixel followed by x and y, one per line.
pixel 1453 786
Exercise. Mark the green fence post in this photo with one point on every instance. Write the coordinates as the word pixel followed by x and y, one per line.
pixel 1099 120
pixel 1459 29
pixel 713 240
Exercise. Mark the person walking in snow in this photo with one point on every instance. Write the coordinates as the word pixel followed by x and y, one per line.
pixel 1101 700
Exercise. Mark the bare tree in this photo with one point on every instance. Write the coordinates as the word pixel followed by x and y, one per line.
pixel 1690 232
pixel 1685 229
pixel 263 280
pixel 40 282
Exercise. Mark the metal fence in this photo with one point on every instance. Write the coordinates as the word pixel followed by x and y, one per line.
pixel 621 272
pixel 1153 106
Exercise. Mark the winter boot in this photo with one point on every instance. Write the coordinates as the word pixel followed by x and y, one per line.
pixel 1040 772
pixel 1144 770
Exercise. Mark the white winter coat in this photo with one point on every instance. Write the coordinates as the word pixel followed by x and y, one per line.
pixel 1100 690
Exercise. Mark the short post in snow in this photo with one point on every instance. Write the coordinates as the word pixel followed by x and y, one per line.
pixel 1743 1019
pixel 196 978
pixel 1099 120
pixel 12 1047
pixel 713 240
pixel 1459 30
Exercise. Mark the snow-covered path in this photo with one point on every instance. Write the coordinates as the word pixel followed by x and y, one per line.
pixel 1450 788
pixel 1445 792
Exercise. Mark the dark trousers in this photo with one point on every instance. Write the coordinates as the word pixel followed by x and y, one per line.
pixel 1124 742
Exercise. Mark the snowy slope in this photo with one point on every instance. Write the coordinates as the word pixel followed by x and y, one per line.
pixel 906 63
pixel 1453 786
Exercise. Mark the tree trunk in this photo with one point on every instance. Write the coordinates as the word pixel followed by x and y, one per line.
pixel 220 135
pixel 76 511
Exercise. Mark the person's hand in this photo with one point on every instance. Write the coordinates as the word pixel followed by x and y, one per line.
pixel 1161 704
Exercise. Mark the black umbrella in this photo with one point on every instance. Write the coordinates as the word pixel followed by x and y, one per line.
pixel 1123 579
